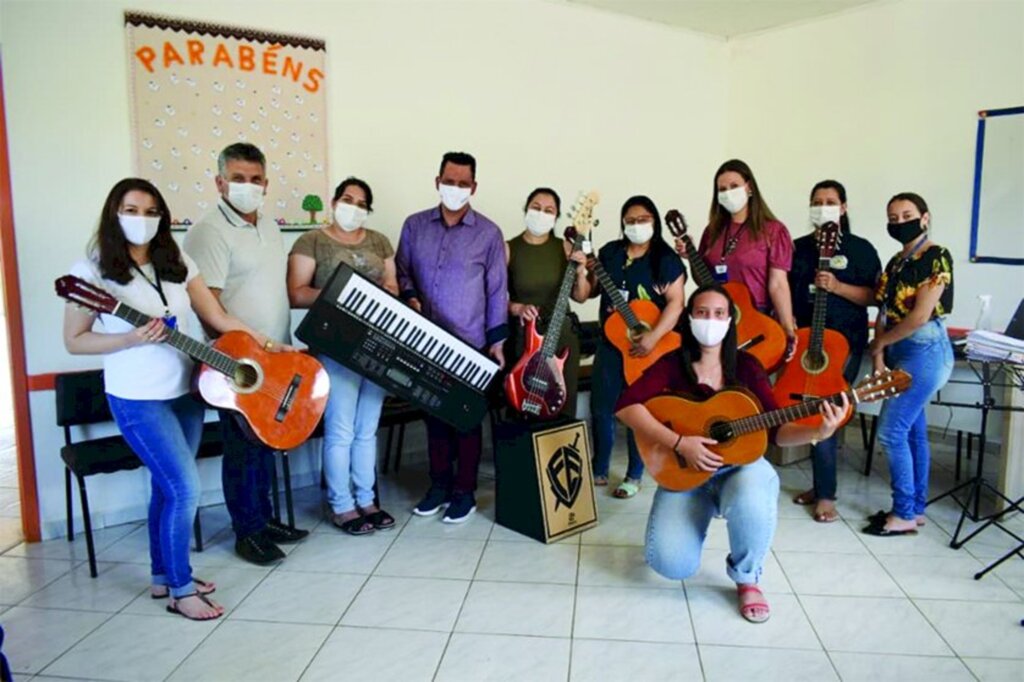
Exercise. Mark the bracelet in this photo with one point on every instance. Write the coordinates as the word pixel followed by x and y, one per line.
pixel 269 344
pixel 675 448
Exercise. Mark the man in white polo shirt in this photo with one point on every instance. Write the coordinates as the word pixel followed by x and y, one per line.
pixel 241 256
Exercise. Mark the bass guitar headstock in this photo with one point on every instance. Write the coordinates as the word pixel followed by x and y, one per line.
pixel 882 385
pixel 581 217
pixel 76 290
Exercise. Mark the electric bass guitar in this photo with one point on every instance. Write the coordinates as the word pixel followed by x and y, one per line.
pixel 821 353
pixel 536 385
pixel 628 321
pixel 282 396
pixel 734 419
pixel 756 333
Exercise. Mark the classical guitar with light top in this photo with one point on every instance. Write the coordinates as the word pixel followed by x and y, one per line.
pixel 821 354
pixel 628 321
pixel 756 333
pixel 733 417
pixel 536 385
pixel 282 396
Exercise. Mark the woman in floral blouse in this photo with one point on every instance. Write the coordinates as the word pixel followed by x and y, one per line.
pixel 914 293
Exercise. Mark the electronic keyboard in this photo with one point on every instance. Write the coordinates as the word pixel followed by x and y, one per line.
pixel 365 328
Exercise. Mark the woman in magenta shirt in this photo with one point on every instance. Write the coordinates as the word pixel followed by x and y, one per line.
pixel 745 242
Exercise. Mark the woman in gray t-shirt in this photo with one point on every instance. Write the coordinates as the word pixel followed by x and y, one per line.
pixel 354 405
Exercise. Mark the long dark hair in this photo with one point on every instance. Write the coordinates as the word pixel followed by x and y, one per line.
pixel 691 351
pixel 844 220
pixel 758 212
pixel 659 249
pixel 112 248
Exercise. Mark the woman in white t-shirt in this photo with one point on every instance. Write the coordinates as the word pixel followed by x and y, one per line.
pixel 135 258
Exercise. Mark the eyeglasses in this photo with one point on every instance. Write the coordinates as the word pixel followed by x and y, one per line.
pixel 636 220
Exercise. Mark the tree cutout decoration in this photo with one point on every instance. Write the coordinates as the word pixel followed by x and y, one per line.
pixel 312 203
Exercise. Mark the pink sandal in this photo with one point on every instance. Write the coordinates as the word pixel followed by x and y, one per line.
pixel 749 611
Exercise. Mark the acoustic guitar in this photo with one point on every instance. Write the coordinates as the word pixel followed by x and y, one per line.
pixel 756 333
pixel 821 353
pixel 536 385
pixel 733 417
pixel 282 396
pixel 628 321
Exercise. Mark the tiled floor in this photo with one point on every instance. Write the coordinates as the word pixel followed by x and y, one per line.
pixel 477 602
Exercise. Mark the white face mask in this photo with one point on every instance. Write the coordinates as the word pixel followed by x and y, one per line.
pixel 733 200
pixel 539 223
pixel 245 196
pixel 639 233
pixel 349 216
pixel 139 229
pixel 454 197
pixel 709 333
pixel 824 214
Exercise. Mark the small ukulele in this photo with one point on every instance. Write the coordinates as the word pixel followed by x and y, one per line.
pixel 282 396
pixel 733 417
pixel 628 322
pixel 756 333
pixel 536 385
pixel 821 353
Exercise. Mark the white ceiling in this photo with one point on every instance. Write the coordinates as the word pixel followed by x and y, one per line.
pixel 725 18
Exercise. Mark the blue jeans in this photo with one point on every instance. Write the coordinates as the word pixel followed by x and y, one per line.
pixel 823 455
pixel 746 496
pixel 927 356
pixel 350 437
pixel 165 435
pixel 246 475
pixel 608 384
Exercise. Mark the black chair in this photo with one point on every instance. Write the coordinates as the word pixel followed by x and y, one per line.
pixel 81 401
pixel 397 413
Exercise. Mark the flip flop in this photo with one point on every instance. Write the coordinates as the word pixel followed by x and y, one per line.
pixel 381 520
pixel 627 489
pixel 805 498
pixel 359 525
pixel 173 608
pixel 600 481
pixel 830 516
pixel 881 515
pixel 879 530
pixel 198 582
pixel 748 610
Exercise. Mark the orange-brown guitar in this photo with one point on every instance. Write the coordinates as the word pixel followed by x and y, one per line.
pixel 821 354
pixel 624 326
pixel 759 334
pixel 282 396
pixel 734 419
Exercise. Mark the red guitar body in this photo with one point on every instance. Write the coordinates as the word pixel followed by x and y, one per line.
pixel 536 385
pixel 281 395
pixel 803 377
pixel 764 334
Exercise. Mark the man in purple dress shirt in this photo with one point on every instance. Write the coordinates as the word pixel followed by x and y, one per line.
pixel 451 267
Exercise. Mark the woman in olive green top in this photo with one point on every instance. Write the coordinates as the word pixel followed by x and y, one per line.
pixel 354 404
pixel 536 264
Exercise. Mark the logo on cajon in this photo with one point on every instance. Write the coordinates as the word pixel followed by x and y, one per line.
pixel 566 489
pixel 565 473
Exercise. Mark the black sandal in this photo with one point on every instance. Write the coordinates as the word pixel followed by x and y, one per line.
pixel 359 525
pixel 381 520
pixel 197 581
pixel 173 608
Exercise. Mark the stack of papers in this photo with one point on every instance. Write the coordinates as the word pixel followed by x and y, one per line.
pixel 982 345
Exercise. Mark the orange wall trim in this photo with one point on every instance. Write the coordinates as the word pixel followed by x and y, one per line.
pixel 15 335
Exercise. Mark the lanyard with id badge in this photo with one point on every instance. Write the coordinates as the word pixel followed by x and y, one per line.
pixel 170 320
pixel 731 242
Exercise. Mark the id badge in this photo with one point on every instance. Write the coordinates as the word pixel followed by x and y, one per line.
pixel 171 321
pixel 811 290
pixel 624 293
pixel 721 273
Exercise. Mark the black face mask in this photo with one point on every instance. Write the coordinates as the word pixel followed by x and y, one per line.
pixel 906 232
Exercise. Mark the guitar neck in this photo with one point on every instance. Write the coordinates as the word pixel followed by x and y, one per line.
pixel 701 271
pixel 818 316
pixel 767 420
pixel 197 350
pixel 618 302
pixel 554 329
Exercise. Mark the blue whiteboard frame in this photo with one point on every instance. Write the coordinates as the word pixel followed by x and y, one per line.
pixel 979 155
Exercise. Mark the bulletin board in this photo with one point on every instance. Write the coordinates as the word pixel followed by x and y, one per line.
pixel 997 215
pixel 197 87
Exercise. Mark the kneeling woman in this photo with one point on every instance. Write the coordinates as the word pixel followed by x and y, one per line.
pixel 747 496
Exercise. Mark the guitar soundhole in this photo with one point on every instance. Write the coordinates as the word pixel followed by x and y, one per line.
pixel 247 377
pixel 721 431
pixel 814 363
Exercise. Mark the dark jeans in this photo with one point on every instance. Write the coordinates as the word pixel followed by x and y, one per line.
pixel 446 446
pixel 246 475
pixel 608 384
pixel 823 455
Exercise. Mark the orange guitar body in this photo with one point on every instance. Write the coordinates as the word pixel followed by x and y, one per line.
pixel 699 418
pixel 801 377
pixel 282 396
pixel 621 336
pixel 751 323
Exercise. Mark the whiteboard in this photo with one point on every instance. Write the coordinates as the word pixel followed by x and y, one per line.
pixel 997 219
